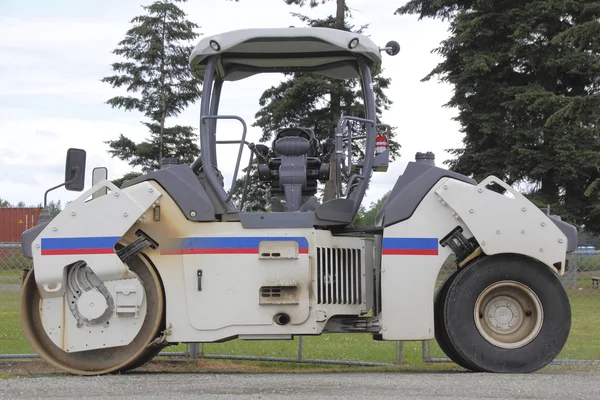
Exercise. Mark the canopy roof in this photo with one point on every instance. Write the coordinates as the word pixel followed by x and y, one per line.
pixel 246 52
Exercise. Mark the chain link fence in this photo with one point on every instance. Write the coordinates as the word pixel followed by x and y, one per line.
pixel 582 282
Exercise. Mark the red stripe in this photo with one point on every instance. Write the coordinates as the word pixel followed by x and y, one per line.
pixel 176 252
pixel 76 251
pixel 412 252
pixel 210 251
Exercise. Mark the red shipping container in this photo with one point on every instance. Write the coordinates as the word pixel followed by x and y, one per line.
pixel 15 221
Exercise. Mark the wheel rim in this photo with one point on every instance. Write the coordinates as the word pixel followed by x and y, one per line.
pixel 508 314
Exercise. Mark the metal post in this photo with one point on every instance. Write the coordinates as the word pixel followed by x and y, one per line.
pixel 399 352
pixel 194 349
pixel 425 351
pixel 300 347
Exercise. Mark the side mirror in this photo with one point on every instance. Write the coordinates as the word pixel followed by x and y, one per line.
pixel 99 174
pixel 75 170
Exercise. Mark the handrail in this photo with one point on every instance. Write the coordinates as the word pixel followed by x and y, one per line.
pixel 252 148
pixel 204 118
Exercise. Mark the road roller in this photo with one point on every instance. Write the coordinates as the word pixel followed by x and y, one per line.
pixel 173 257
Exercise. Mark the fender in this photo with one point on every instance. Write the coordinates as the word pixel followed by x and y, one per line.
pixel 412 255
pixel 505 223
pixel 88 231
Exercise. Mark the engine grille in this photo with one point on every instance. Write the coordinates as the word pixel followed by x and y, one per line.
pixel 339 276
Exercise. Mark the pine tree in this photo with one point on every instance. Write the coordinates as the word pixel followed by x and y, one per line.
pixel 54 208
pixel 258 192
pixel 526 77
pixel 159 85
pixel 367 218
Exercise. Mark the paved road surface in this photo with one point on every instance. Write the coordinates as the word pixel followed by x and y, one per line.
pixel 403 385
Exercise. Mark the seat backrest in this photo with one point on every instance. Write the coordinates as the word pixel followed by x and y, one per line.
pixel 292 171
pixel 305 133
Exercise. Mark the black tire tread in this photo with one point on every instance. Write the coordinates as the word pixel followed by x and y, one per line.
pixel 470 345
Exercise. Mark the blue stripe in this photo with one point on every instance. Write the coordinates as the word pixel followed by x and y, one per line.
pixel 238 242
pixel 410 243
pixel 104 242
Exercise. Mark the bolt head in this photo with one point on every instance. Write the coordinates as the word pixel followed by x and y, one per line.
pixel 151 190
pixel 193 213
pixel 543 224
pixel 445 187
pixel 498 232
pixel 471 211
pixel 524 209
pixel 480 190
pixel 54 229
pixel 541 250
pixel 37 245
pixel 523 231
pixel 560 240
pixel 117 194
pixel 483 243
pixel 125 214
pixel 73 213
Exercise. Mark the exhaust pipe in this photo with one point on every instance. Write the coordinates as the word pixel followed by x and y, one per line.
pixel 281 319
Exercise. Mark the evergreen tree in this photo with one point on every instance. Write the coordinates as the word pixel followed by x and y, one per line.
pixel 4 203
pixel 54 208
pixel 258 193
pixel 159 85
pixel 526 77
pixel 366 218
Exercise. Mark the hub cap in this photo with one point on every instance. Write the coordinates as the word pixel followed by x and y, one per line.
pixel 92 304
pixel 508 314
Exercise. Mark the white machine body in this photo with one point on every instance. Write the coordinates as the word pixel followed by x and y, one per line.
pixel 223 281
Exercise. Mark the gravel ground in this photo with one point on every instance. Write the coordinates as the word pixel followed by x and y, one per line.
pixel 403 385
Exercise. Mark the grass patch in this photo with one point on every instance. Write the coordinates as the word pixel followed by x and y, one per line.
pixel 583 343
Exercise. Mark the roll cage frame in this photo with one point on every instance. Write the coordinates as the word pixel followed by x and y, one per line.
pixel 356 183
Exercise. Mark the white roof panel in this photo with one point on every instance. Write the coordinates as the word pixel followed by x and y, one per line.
pixel 251 51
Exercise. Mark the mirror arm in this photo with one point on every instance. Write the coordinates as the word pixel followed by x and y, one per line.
pixel 61 185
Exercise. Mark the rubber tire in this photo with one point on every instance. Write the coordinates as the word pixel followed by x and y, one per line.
pixel 471 346
pixel 441 336
pixel 98 361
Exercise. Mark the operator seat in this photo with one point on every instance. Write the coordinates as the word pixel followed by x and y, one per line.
pixel 292 168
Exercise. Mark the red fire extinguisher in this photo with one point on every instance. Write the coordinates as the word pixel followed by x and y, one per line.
pixel 381 144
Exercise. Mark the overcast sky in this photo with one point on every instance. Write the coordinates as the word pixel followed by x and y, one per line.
pixel 54 53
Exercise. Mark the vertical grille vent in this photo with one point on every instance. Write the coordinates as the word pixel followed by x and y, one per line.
pixel 339 276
